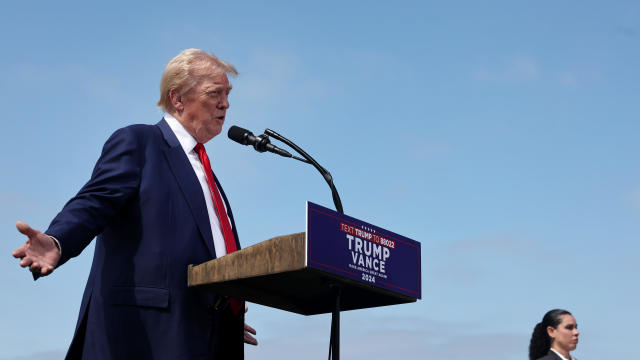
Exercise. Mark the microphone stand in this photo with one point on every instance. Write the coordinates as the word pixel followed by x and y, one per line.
pixel 309 160
pixel 334 342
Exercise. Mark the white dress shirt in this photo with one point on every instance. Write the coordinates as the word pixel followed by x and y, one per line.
pixel 188 143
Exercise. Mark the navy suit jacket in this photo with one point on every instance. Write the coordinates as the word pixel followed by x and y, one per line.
pixel 146 207
pixel 550 356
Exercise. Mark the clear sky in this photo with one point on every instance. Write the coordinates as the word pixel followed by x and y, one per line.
pixel 501 135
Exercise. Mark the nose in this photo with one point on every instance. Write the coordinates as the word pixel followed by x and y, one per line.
pixel 224 102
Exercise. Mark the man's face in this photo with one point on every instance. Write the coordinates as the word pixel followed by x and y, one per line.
pixel 205 107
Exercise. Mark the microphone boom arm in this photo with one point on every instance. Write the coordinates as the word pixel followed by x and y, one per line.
pixel 309 160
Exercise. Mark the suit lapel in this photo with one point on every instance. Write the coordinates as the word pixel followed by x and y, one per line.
pixel 552 355
pixel 188 182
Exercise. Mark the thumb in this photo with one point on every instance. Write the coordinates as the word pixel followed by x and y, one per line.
pixel 26 229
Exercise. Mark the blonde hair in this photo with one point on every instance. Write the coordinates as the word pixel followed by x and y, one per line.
pixel 186 70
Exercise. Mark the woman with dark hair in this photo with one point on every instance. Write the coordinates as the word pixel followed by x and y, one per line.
pixel 554 337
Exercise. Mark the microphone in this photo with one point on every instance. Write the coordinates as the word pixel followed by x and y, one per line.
pixel 261 143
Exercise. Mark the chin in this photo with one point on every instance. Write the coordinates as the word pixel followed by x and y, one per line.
pixel 215 132
pixel 205 134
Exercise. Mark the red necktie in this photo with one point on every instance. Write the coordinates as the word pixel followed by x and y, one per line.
pixel 227 233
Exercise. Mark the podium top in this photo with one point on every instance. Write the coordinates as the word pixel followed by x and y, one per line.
pixel 275 273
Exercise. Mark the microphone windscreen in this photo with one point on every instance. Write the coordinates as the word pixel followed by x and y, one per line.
pixel 238 134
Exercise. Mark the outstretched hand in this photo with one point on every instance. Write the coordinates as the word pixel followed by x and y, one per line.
pixel 248 330
pixel 40 252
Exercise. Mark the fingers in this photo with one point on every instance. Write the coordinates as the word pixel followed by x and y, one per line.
pixel 40 252
pixel 26 229
pixel 46 270
pixel 35 267
pixel 249 329
pixel 248 339
pixel 20 252
pixel 26 261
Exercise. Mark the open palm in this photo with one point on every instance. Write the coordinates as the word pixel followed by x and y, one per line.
pixel 40 252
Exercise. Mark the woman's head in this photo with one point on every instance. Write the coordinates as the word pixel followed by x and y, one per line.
pixel 558 329
pixel 564 336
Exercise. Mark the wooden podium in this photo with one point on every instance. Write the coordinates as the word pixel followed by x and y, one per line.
pixel 340 263
pixel 275 273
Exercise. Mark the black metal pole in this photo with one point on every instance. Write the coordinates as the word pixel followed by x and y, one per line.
pixel 334 353
pixel 334 339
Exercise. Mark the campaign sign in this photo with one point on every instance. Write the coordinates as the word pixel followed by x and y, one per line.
pixel 357 250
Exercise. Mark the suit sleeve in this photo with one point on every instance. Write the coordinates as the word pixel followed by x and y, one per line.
pixel 114 180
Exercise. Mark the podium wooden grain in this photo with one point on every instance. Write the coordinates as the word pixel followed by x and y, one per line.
pixel 274 273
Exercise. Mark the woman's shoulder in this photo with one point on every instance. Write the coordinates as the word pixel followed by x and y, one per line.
pixel 550 356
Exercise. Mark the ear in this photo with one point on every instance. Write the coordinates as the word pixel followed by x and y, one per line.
pixel 176 100
pixel 551 332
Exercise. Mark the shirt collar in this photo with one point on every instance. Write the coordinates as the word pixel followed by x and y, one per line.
pixel 187 141
pixel 557 353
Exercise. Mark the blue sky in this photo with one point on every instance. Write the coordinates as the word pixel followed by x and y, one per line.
pixel 501 135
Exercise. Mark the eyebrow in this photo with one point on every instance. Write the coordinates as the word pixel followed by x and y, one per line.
pixel 218 87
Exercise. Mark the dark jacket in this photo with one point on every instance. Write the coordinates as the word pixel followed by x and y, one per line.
pixel 146 207
pixel 550 356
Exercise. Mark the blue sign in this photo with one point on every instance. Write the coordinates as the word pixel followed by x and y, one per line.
pixel 357 250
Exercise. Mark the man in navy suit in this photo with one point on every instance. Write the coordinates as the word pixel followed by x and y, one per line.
pixel 154 212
